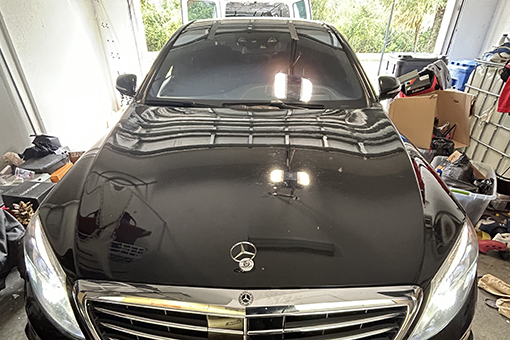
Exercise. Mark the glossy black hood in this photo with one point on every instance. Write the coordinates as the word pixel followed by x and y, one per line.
pixel 170 191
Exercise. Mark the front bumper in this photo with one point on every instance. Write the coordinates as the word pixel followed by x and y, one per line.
pixel 40 327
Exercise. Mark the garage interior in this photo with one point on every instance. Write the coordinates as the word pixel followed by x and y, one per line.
pixel 60 59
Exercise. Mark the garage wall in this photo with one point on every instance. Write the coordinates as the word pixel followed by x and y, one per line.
pixel 500 25
pixel 14 125
pixel 471 33
pixel 63 49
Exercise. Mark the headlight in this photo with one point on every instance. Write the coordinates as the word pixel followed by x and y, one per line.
pixel 450 287
pixel 47 279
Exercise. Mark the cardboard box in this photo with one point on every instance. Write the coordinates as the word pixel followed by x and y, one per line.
pixel 414 116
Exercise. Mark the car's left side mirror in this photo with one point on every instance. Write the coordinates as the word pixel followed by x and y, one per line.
pixel 126 84
pixel 389 87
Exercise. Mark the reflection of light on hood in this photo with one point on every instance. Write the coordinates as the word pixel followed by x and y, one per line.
pixel 306 90
pixel 303 178
pixel 277 176
pixel 303 85
pixel 280 85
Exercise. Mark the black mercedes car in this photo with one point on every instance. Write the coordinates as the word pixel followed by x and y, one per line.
pixel 253 189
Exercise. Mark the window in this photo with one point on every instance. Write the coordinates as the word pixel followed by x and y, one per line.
pixel 300 9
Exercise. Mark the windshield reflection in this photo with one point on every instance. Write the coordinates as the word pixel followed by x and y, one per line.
pixel 150 130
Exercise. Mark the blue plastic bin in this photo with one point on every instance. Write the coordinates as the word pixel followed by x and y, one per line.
pixel 460 71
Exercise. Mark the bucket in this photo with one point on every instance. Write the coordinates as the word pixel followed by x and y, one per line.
pixel 503 185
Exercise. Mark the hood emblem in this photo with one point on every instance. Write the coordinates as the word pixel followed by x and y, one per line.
pixel 245 299
pixel 243 253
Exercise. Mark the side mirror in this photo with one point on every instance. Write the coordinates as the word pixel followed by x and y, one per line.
pixel 389 87
pixel 126 84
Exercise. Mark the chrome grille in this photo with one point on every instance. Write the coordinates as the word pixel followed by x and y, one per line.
pixel 141 312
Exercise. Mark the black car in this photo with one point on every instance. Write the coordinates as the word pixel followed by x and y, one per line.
pixel 253 189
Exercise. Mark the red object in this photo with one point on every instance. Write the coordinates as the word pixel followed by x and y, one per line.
pixel 486 245
pixel 504 99
pixel 424 89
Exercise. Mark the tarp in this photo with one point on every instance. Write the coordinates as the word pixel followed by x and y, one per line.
pixel 11 232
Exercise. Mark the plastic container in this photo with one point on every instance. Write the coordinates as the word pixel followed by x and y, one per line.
pixel 503 184
pixel 399 64
pixel 460 71
pixel 474 204
pixel 501 202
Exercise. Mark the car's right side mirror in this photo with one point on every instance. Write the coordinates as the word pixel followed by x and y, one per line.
pixel 126 84
pixel 389 87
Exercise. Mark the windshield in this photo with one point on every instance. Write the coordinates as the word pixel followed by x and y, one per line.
pixel 229 65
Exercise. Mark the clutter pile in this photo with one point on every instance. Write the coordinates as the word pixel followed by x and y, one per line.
pixel 25 180
pixel 499 288
pixel 436 119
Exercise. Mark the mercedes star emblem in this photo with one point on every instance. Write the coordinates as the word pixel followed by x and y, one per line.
pixel 245 299
pixel 243 252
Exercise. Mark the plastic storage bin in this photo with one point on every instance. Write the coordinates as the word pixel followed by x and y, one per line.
pixel 460 71
pixel 474 204
pixel 398 64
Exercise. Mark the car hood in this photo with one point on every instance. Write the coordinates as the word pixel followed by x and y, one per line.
pixel 171 191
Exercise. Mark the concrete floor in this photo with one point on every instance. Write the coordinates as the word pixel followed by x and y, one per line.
pixel 487 325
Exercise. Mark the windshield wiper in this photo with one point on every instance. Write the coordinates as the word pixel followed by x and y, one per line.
pixel 178 103
pixel 272 105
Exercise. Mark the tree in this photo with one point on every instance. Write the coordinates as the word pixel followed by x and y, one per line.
pixel 160 22
pixel 362 22
pixel 321 10
pixel 363 27
pixel 200 10
pixel 410 14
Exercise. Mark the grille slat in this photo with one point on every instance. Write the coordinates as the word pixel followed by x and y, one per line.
pixel 352 335
pixel 358 324
pixel 164 323
pixel 331 326
pixel 118 312
pixel 135 333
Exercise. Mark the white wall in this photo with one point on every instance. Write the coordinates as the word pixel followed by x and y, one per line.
pixel 61 49
pixel 500 25
pixel 14 125
pixel 471 34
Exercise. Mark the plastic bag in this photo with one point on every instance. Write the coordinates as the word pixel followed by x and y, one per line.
pixel 43 145
pixel 459 170
pixel 442 146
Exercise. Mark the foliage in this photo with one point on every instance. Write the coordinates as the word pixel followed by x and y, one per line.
pixel 160 22
pixel 410 14
pixel 200 10
pixel 414 27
